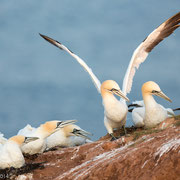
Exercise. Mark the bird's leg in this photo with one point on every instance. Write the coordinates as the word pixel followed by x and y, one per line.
pixel 113 137
pixel 125 132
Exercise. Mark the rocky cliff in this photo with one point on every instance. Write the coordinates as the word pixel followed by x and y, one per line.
pixel 152 154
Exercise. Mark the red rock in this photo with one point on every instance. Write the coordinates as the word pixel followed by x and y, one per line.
pixel 154 156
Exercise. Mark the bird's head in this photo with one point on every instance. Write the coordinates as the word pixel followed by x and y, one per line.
pixel 153 88
pixel 51 127
pixel 74 130
pixel 19 139
pixel 112 87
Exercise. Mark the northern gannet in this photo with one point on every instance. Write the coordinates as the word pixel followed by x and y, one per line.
pixel 138 111
pixel 151 113
pixel 70 135
pixel 42 132
pixel 10 152
pixel 116 111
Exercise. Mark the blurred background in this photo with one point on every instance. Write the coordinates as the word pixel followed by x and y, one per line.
pixel 38 82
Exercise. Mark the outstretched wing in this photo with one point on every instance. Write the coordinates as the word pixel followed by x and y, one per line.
pixel 79 60
pixel 142 51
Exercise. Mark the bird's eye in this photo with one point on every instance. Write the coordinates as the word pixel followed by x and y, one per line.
pixel 154 91
pixel 59 123
pixel 75 130
pixel 113 89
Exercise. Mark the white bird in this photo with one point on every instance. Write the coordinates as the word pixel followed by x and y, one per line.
pixel 42 132
pixel 10 152
pixel 68 136
pixel 150 113
pixel 138 113
pixel 115 110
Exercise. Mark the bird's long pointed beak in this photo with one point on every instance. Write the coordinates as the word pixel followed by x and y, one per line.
pixel 162 95
pixel 62 124
pixel 82 133
pixel 29 139
pixel 85 132
pixel 118 92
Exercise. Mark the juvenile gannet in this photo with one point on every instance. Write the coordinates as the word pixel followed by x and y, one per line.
pixel 70 135
pixel 115 110
pixel 10 152
pixel 151 113
pixel 42 132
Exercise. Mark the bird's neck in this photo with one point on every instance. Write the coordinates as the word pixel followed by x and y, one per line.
pixel 107 95
pixel 41 133
pixel 14 143
pixel 149 101
pixel 108 98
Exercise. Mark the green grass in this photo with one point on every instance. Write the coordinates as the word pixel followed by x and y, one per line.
pixel 177 117
pixel 145 132
pixel 177 123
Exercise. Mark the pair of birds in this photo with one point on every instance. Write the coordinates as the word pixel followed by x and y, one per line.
pixel 36 140
pixel 66 135
pixel 116 110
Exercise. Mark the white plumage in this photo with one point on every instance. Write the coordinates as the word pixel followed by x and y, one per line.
pixel 138 114
pixel 151 113
pixel 10 152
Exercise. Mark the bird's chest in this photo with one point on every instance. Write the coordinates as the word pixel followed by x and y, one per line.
pixel 154 116
pixel 115 111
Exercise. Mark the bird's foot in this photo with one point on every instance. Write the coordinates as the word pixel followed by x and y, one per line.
pixel 113 137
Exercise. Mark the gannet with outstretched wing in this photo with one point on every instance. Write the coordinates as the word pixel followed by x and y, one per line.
pixel 115 110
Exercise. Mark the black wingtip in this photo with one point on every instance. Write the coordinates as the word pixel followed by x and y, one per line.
pixel 50 40
pixel 130 110
pixel 177 109
pixel 41 35
pixel 134 105
pixel 46 37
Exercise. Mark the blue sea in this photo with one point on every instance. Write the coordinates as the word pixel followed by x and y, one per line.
pixel 38 82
